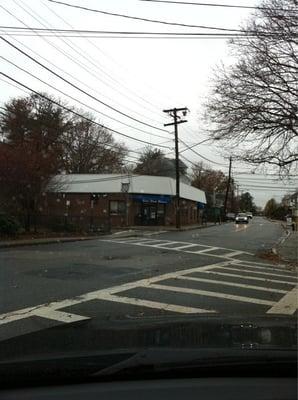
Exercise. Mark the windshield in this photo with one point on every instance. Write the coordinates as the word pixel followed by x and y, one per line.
pixel 133 135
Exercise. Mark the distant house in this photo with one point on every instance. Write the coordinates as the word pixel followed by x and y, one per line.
pixel 125 200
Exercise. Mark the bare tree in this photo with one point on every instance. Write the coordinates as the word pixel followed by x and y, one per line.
pixel 253 108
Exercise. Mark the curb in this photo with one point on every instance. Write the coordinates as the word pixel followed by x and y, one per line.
pixel 7 245
pixel 140 232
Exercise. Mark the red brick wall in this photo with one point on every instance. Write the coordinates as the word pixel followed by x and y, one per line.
pixel 76 204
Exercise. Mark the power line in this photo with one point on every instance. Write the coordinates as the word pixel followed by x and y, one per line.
pixel 267 187
pixel 16 29
pixel 194 145
pixel 143 19
pixel 165 37
pixel 77 87
pixel 215 5
pixel 49 62
pixel 76 49
pixel 200 155
pixel 78 101
pixel 96 62
pixel 80 115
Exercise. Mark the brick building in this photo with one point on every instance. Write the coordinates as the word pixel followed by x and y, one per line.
pixel 125 200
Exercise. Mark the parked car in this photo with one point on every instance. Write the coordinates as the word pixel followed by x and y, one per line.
pixel 249 214
pixel 241 218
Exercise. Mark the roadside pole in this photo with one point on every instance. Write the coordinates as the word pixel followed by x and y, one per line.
pixel 173 112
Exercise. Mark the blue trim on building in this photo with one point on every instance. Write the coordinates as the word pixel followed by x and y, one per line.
pixel 152 198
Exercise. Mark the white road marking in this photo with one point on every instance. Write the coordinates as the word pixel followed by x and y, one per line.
pixel 59 315
pixel 287 305
pixel 186 246
pixel 44 309
pixel 212 294
pixel 241 285
pixel 285 272
pixel 205 250
pixel 234 268
pixel 154 304
pixel 52 310
pixel 162 241
pixel 233 254
pixel 250 277
pixel 165 244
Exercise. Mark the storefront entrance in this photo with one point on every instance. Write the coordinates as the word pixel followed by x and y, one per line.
pixel 152 214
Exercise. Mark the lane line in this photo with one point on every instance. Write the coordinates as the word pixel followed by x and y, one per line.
pixel 212 294
pixel 234 268
pixel 154 304
pixel 269 267
pixel 241 285
pixel 287 305
pixel 251 278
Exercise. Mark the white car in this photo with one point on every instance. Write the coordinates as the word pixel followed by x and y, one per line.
pixel 241 218
pixel 249 214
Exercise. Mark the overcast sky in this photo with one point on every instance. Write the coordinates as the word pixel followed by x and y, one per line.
pixel 139 77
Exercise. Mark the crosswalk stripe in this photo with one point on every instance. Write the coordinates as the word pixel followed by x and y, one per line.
pixel 234 268
pixel 241 285
pixel 233 254
pixel 59 315
pixel 206 250
pixel 285 273
pixel 212 294
pixel 250 277
pixel 154 304
pixel 286 305
pixel 165 244
pixel 186 246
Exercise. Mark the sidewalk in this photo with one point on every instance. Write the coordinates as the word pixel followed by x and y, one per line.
pixel 287 249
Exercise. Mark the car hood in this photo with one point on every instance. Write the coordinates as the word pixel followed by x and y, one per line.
pixel 159 332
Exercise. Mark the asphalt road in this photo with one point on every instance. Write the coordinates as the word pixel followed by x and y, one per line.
pixel 212 271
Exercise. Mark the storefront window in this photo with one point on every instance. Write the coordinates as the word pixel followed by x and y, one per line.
pixel 117 207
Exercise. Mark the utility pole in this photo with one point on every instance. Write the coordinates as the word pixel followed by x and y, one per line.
pixel 173 112
pixel 228 186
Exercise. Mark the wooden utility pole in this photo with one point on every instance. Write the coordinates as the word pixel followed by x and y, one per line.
pixel 228 186
pixel 173 112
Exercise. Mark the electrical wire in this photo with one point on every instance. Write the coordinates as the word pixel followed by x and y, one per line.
pixel 80 115
pixel 96 62
pixel 200 155
pixel 78 101
pixel 93 72
pixel 78 88
pixel 143 19
pixel 16 29
pixel 215 5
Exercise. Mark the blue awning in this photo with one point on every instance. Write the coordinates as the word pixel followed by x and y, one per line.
pixel 152 198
